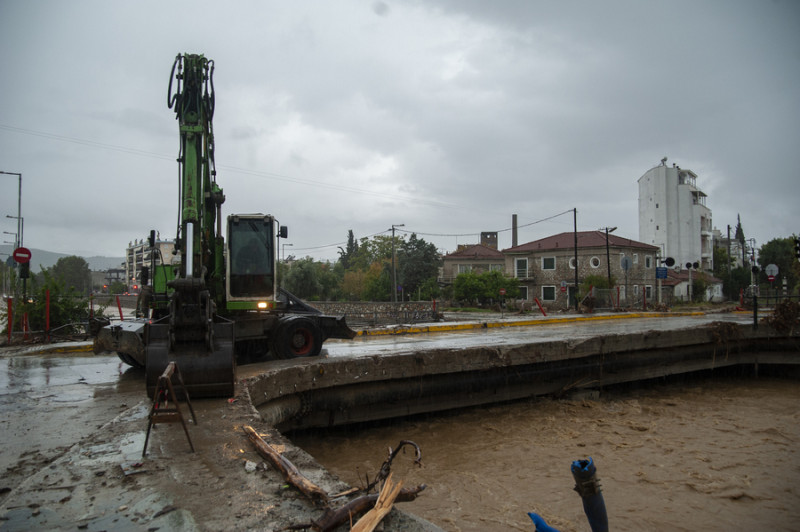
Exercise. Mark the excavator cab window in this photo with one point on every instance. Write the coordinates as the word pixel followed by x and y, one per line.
pixel 250 252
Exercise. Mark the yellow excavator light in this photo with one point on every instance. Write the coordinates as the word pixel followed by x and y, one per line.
pixel 263 305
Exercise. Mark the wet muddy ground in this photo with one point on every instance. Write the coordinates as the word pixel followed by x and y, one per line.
pixel 712 454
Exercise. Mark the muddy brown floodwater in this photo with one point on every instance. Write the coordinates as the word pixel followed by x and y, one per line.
pixel 696 455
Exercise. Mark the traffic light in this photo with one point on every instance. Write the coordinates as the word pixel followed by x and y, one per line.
pixel 797 247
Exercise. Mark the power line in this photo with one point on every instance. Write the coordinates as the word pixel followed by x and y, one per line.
pixel 432 234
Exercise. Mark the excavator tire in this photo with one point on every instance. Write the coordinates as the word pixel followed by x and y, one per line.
pixel 296 337
pixel 205 373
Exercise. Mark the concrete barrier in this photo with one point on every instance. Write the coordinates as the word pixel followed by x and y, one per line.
pixel 335 391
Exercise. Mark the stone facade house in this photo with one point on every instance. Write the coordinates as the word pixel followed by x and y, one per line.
pixel 546 268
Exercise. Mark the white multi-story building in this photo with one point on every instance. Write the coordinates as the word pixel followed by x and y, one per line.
pixel 138 255
pixel 673 215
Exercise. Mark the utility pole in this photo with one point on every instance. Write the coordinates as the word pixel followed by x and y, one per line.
pixel 394 270
pixel 575 233
pixel 608 253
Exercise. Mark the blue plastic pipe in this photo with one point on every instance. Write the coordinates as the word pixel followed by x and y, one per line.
pixel 588 487
pixel 540 524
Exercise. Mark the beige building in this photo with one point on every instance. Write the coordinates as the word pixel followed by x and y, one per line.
pixel 478 259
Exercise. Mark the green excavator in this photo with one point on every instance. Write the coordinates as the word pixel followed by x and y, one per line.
pixel 219 300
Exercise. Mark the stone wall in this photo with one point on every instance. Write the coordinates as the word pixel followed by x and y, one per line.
pixel 379 313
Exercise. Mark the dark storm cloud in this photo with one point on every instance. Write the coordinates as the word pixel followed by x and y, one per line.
pixel 447 116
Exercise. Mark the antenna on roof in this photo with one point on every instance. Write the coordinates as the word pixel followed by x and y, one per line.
pixel 664 161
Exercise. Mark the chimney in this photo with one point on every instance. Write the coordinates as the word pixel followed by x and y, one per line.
pixel 513 230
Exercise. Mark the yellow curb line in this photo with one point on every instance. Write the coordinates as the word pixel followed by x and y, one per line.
pixel 518 323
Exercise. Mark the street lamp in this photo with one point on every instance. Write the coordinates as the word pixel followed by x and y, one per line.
pixel 608 253
pixel 394 270
pixel 20 229
pixel 284 251
pixel 19 205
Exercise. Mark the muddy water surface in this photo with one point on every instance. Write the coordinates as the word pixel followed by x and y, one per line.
pixel 704 455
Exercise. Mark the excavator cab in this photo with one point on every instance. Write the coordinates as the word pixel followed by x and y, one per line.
pixel 251 281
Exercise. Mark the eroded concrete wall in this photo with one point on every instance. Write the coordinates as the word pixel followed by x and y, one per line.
pixel 334 391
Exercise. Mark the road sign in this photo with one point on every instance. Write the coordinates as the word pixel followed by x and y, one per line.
pixel 770 278
pixel 626 263
pixel 661 272
pixel 502 291
pixel 22 255
pixel 771 269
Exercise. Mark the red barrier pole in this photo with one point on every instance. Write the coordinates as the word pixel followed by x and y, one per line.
pixel 617 297
pixel 25 326
pixel 47 314
pixel 540 306
pixel 119 306
pixel 10 317
pixel 644 298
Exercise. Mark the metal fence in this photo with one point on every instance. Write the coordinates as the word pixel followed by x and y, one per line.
pixel 617 299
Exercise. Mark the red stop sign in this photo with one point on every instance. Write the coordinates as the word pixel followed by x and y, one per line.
pixel 502 291
pixel 22 255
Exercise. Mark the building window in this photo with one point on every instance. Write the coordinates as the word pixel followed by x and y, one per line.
pixel 648 262
pixel 464 268
pixel 548 263
pixel 595 262
pixel 521 268
pixel 548 293
pixel 648 292
pixel 636 258
pixel 572 263
pixel 523 293
pixel 496 267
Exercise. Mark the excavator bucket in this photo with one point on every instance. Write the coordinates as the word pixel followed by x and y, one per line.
pixel 125 339
pixel 206 372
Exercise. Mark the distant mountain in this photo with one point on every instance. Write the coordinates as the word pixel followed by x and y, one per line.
pixel 46 259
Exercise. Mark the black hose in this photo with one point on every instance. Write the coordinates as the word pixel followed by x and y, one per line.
pixel 588 487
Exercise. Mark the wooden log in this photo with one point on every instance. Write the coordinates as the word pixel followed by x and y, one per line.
pixel 372 518
pixel 332 518
pixel 286 468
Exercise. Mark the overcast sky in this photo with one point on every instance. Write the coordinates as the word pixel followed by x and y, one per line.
pixel 445 116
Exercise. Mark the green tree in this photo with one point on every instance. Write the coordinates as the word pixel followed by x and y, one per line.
pixel 723 265
pixel 378 282
pixel 74 272
pixel 67 306
pixel 429 289
pixel 117 287
pixel 417 262
pixel 780 252
pixel 467 288
pixel 348 254
pixel 303 279
pixel 740 280
pixel 373 250
pixel 596 281
pixel 739 236
pixel 699 287
pixel 470 288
